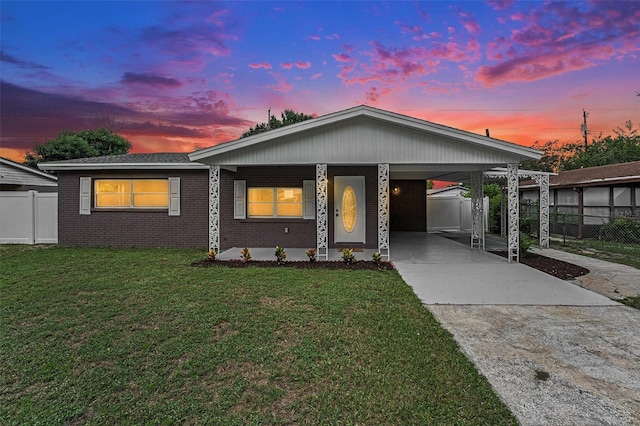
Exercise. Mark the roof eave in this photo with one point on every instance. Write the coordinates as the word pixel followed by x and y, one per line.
pixel 122 166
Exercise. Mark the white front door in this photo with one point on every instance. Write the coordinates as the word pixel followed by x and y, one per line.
pixel 349 209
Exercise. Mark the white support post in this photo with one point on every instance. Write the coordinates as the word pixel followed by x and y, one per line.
pixel 477 222
pixel 383 210
pixel 214 208
pixel 514 213
pixel 543 181
pixel 322 183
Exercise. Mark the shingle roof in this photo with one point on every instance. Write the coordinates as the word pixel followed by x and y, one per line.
pixel 160 160
pixel 159 157
pixel 594 176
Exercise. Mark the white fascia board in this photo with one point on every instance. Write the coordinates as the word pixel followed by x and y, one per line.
pixel 123 166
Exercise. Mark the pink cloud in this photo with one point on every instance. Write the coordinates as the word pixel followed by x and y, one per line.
pixel 373 94
pixel 316 76
pixel 561 38
pixel 470 23
pixel 258 65
pixel 315 37
pixel 341 57
pixel 281 86
pixel 286 65
pixel 303 65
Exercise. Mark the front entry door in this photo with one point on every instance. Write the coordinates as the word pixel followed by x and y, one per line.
pixel 349 209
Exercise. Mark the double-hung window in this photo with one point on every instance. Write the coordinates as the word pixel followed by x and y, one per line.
pixel 132 193
pixel 276 202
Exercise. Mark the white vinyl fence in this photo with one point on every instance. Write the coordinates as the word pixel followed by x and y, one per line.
pixel 28 217
pixel 453 213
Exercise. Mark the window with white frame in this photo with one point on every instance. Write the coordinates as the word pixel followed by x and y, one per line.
pixel 274 202
pixel 131 193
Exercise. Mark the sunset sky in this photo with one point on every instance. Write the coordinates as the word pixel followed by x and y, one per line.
pixel 179 75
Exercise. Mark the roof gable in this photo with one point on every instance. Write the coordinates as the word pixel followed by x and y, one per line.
pixel 364 135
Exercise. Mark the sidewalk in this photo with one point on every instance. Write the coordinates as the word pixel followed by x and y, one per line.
pixel 612 280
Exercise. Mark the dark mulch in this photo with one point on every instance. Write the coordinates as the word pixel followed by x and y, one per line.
pixel 557 268
pixel 237 263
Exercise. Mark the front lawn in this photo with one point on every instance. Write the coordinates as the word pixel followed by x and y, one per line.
pixel 99 336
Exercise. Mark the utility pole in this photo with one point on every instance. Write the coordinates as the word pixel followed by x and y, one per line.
pixel 583 128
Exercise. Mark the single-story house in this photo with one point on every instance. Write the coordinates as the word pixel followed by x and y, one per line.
pixel 17 177
pixel 589 196
pixel 322 183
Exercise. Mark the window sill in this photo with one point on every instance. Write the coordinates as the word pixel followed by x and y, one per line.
pixel 128 209
pixel 274 219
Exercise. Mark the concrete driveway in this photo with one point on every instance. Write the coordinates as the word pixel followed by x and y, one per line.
pixel 557 354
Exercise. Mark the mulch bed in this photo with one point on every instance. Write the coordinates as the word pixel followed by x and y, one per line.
pixel 237 263
pixel 557 268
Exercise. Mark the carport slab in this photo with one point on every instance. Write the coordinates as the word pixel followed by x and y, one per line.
pixel 446 272
pixel 493 284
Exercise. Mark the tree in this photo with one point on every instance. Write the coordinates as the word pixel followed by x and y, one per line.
pixel 289 116
pixel 621 148
pixel 69 145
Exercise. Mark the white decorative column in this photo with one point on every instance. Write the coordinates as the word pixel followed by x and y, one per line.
pixel 477 216
pixel 514 212
pixel 214 208
pixel 543 182
pixel 322 245
pixel 383 210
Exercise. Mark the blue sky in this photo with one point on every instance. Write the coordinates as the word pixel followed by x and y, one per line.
pixel 179 75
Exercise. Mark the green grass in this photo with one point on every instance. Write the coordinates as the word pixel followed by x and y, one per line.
pixel 623 253
pixel 634 302
pixel 99 336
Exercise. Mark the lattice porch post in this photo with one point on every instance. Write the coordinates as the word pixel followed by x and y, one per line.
pixel 321 211
pixel 477 214
pixel 383 210
pixel 543 182
pixel 514 212
pixel 214 208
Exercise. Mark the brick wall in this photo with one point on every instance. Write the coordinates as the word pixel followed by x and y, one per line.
pixel 302 233
pixel 408 208
pixel 135 228
pixel 264 232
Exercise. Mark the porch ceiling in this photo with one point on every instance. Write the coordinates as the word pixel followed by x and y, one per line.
pixel 443 172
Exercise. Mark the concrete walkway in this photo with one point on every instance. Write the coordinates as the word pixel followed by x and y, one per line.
pixel 612 280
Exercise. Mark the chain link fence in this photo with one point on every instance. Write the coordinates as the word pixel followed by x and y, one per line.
pixel 617 228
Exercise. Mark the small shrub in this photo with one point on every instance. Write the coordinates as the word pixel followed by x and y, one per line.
pixel 281 255
pixel 348 257
pixel 376 258
pixel 211 255
pixel 525 244
pixel 245 254
pixel 311 254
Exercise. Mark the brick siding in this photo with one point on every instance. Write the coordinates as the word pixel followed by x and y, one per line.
pixel 135 228
pixel 302 233
pixel 408 209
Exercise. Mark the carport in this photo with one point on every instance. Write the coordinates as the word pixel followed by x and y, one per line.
pixel 349 166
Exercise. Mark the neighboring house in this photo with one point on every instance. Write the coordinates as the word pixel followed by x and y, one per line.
pixel 449 191
pixel 322 183
pixel 28 205
pixel 449 209
pixel 17 177
pixel 591 195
